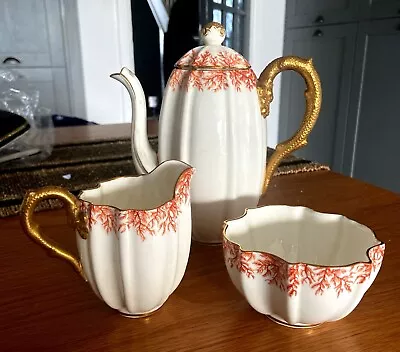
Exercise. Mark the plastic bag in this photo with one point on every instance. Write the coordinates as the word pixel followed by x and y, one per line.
pixel 19 96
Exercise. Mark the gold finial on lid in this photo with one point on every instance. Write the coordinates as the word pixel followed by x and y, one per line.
pixel 213 33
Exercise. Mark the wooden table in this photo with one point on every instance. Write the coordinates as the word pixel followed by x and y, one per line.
pixel 46 306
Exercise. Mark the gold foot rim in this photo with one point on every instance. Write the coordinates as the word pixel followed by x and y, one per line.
pixel 205 243
pixel 141 315
pixel 300 326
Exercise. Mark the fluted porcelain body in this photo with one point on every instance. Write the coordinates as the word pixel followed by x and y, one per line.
pixel 298 266
pixel 139 238
pixel 212 117
pixel 212 121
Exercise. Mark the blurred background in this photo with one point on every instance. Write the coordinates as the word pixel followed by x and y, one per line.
pixel 63 52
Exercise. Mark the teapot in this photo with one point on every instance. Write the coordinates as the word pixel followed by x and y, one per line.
pixel 213 117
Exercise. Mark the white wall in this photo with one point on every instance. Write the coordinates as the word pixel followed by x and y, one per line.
pixel 266 34
pixel 104 34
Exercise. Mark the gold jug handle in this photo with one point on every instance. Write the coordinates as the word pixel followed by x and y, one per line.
pixel 313 96
pixel 32 228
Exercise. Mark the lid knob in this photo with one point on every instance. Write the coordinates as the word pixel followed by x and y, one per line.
pixel 213 33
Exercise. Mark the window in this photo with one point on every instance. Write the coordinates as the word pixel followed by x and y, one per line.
pixel 231 14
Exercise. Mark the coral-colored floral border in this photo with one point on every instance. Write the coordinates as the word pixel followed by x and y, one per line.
pixel 223 72
pixel 152 222
pixel 288 277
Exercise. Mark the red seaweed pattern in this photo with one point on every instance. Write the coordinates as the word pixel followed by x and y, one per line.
pixel 225 72
pixel 158 221
pixel 289 277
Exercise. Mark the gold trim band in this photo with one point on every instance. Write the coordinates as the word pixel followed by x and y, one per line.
pixel 283 323
pixel 210 68
pixel 14 132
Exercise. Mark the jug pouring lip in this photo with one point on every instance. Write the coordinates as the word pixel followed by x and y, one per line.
pixel 183 175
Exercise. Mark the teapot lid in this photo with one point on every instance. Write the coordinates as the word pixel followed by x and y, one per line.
pixel 213 55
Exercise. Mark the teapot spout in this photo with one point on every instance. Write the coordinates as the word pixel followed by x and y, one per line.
pixel 144 157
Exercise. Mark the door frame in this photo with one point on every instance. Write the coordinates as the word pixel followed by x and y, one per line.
pixel 266 32
pixel 94 95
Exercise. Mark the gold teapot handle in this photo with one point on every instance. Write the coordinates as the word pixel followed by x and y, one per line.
pixel 32 228
pixel 313 95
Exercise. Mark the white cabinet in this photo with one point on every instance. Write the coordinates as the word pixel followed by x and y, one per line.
pixel 383 8
pixel 332 50
pixel 371 149
pixel 31 42
pixel 305 13
pixel 53 92
pixel 69 48
pixel 358 62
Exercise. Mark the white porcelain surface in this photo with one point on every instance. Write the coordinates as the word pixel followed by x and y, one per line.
pixel 211 120
pixel 139 237
pixel 224 136
pixel 299 266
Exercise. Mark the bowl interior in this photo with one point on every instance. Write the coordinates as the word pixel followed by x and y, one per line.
pixel 299 234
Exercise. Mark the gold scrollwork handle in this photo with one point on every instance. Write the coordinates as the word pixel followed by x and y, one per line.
pixel 32 228
pixel 313 96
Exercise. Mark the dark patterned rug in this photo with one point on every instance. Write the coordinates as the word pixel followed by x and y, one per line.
pixel 80 166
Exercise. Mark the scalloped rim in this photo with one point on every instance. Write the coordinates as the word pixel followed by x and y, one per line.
pixel 99 184
pixel 226 225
